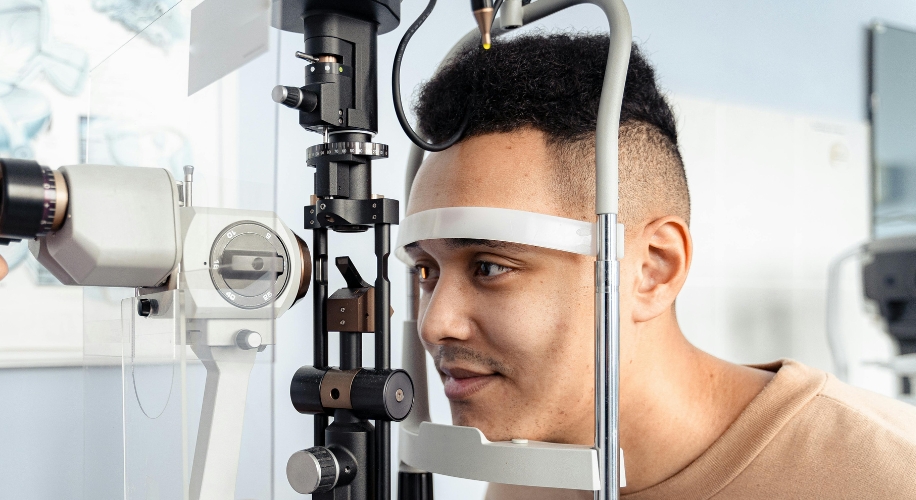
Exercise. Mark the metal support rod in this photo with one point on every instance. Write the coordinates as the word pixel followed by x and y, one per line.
pixel 383 353
pixel 319 315
pixel 188 185
pixel 607 357
pixel 351 350
pixel 382 297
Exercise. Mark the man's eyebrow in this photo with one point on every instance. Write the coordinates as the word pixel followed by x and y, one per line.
pixel 455 243
pixel 470 242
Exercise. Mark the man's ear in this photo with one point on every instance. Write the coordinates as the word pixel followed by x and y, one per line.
pixel 663 256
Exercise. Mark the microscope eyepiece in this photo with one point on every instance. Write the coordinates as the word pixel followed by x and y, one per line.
pixel 33 200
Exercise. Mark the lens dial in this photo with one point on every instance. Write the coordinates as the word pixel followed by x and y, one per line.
pixel 33 199
pixel 249 265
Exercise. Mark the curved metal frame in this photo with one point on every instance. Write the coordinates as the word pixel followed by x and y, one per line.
pixel 610 244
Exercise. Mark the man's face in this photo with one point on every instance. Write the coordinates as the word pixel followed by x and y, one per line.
pixel 511 327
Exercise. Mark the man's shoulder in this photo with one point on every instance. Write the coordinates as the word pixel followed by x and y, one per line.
pixel 845 440
pixel 806 435
pixel 863 412
pixel 839 410
pixel 849 423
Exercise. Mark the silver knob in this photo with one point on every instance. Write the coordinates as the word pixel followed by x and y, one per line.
pixel 314 470
pixel 295 98
pixel 288 96
pixel 247 339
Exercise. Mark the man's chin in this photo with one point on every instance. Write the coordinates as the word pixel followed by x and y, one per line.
pixel 494 426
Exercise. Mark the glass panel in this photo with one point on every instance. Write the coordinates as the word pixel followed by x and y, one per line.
pixel 154 363
pixel 893 83
pixel 195 370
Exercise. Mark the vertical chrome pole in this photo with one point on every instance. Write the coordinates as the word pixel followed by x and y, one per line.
pixel 607 285
pixel 607 357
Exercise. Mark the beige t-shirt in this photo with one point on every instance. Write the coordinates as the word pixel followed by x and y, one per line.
pixel 805 436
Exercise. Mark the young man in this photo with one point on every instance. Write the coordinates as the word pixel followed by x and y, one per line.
pixel 511 326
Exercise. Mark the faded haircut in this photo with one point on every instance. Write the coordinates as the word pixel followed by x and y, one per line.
pixel 552 83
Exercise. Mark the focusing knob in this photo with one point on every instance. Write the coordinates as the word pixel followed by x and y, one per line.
pixel 295 98
pixel 146 307
pixel 247 339
pixel 314 470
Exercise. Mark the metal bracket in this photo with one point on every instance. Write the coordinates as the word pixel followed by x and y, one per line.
pixel 342 212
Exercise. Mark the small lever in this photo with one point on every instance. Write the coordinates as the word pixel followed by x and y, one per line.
pixel 350 274
pixel 309 58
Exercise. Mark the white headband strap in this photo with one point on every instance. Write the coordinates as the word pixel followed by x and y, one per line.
pixel 498 224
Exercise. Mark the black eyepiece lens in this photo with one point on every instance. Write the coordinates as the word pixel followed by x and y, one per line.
pixel 26 199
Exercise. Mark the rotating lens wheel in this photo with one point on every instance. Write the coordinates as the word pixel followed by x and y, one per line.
pixel 249 265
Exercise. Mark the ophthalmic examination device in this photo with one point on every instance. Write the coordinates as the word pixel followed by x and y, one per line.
pixel 221 276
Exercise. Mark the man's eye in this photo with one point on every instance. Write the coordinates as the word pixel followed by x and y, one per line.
pixel 490 269
pixel 425 272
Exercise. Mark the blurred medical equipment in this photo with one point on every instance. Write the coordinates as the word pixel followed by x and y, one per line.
pixel 888 280
pixel 216 277
pixel 889 261
pixel 892 114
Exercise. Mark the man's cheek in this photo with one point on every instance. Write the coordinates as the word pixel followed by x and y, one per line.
pixel 513 322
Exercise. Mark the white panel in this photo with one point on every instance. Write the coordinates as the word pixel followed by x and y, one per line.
pixel 225 35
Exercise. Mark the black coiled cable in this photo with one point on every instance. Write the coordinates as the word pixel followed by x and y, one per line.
pixel 396 87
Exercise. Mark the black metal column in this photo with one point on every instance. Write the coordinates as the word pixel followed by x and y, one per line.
pixel 319 315
pixel 383 352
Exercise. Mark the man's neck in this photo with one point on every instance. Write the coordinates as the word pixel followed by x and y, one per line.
pixel 676 401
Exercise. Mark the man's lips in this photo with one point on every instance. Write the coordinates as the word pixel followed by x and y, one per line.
pixel 462 383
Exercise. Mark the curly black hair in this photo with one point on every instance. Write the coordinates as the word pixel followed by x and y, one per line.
pixel 552 83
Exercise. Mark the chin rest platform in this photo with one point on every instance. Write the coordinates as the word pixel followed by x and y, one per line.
pixel 436 447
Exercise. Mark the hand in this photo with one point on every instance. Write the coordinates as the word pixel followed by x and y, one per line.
pixel 3 268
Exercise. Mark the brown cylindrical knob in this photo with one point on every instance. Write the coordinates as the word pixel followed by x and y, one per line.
pixel 305 277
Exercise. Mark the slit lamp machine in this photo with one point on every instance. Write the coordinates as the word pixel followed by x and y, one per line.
pixel 221 276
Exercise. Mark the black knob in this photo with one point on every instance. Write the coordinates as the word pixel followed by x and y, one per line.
pixel 382 394
pixel 145 307
pixel 295 98
pixel 314 470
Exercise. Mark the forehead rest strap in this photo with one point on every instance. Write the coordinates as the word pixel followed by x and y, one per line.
pixel 496 224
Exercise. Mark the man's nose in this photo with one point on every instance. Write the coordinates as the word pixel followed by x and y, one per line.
pixel 447 313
